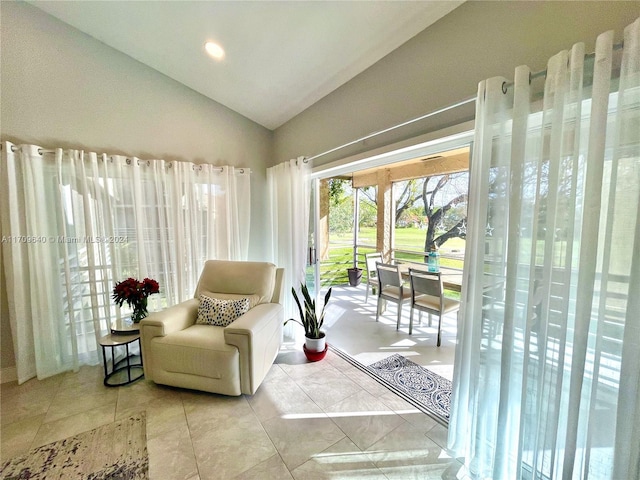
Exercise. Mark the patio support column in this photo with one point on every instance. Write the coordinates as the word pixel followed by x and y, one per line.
pixel 323 226
pixel 356 225
pixel 385 220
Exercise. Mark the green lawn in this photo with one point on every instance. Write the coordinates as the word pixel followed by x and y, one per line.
pixel 334 270
pixel 405 239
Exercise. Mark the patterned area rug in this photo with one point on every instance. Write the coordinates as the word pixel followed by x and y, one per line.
pixel 114 451
pixel 426 390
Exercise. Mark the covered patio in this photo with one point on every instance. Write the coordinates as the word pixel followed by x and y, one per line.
pixel 350 323
pixel 382 184
pixel 351 328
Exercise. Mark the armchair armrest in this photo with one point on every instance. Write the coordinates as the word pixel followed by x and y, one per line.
pixel 257 334
pixel 255 320
pixel 172 319
pixel 159 324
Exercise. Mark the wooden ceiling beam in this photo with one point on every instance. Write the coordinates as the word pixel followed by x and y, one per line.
pixel 422 168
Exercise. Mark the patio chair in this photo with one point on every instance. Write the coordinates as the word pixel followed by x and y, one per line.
pixel 371 259
pixel 390 288
pixel 427 296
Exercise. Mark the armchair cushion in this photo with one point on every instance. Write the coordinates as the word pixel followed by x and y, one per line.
pixel 214 311
pixel 198 352
pixel 239 278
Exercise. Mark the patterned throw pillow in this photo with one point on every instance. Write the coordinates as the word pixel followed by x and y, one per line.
pixel 213 311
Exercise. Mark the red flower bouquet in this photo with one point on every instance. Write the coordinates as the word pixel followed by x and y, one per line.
pixel 135 294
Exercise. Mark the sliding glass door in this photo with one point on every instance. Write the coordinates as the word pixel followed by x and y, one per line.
pixel 313 265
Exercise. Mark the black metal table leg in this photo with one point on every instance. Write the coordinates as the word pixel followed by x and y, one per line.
pixel 112 341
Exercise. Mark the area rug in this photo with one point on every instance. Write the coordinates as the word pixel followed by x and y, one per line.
pixel 426 390
pixel 114 451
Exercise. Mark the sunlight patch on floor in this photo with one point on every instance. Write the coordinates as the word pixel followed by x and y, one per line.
pixel 404 343
pixel 352 328
pixel 304 416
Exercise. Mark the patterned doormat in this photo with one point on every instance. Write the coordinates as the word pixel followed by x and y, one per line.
pixel 114 451
pixel 428 391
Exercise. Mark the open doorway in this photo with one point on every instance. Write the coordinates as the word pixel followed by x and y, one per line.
pixel 401 210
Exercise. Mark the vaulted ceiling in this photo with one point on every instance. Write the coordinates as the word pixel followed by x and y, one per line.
pixel 280 56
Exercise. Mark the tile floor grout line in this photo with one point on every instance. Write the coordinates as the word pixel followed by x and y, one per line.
pixel 44 416
pixel 255 414
pixel 186 421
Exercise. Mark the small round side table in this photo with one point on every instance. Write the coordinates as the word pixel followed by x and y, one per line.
pixel 124 371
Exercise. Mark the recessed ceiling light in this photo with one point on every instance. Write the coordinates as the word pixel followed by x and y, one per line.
pixel 214 50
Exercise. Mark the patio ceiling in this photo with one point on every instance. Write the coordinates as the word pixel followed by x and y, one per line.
pixel 446 162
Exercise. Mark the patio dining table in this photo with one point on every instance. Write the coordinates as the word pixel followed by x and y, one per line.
pixel 451 277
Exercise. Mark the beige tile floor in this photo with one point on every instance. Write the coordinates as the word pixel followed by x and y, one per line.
pixel 324 420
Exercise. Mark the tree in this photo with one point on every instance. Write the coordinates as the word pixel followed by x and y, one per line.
pixel 409 195
pixel 368 213
pixel 437 215
pixel 443 221
pixel 370 194
pixel 338 189
pixel 341 217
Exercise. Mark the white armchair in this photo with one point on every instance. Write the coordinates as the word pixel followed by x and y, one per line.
pixel 231 360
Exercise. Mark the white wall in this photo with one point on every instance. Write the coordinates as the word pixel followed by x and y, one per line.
pixel 62 88
pixel 443 65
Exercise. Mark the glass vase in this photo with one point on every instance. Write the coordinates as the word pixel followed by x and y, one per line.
pixel 139 311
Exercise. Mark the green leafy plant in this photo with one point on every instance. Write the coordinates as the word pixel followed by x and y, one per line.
pixel 309 319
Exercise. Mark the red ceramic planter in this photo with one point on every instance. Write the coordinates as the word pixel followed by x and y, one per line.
pixel 315 356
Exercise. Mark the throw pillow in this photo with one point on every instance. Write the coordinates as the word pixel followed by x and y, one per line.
pixel 253 299
pixel 214 311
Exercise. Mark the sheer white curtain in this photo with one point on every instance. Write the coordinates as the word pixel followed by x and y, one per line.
pixel 75 222
pixel 547 370
pixel 288 190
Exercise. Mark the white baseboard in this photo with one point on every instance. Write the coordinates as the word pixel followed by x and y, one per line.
pixel 8 374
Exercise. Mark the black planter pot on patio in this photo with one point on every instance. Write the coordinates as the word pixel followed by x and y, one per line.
pixel 355 276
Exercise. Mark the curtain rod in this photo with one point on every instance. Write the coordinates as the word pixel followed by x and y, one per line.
pixel 505 86
pixel 543 73
pixel 129 160
pixel 400 125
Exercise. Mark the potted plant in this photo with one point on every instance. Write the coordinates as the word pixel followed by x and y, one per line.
pixel 315 342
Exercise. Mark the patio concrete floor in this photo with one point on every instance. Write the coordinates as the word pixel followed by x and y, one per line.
pixel 351 327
